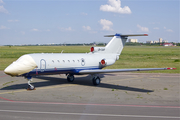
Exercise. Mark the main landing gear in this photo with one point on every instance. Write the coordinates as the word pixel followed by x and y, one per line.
pixel 30 86
pixel 70 78
pixel 95 79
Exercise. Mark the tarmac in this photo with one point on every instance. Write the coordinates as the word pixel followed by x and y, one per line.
pixel 125 96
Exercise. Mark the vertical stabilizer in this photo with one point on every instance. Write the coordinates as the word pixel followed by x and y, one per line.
pixel 116 44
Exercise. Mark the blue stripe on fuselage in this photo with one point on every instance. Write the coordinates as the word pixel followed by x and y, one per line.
pixel 74 71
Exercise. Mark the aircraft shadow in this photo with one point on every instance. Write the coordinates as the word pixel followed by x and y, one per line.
pixel 50 81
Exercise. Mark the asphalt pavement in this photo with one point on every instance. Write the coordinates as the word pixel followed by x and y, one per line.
pixel 125 96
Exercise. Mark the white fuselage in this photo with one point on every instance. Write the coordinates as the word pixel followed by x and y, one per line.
pixel 67 63
pixel 76 60
pixel 59 63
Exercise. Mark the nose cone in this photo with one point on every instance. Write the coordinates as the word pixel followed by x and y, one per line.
pixel 9 70
pixel 23 65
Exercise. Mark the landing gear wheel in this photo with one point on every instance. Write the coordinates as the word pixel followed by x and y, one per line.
pixel 31 87
pixel 70 78
pixel 96 80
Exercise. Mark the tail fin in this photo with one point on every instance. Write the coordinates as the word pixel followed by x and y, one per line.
pixel 117 43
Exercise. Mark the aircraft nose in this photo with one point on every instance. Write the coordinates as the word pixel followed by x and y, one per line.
pixel 9 70
pixel 23 65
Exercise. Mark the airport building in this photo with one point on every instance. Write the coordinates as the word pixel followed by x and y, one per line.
pixel 155 41
pixel 160 40
pixel 149 41
pixel 168 44
pixel 133 40
pixel 165 41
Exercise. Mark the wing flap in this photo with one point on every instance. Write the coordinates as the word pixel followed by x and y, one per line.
pixel 120 70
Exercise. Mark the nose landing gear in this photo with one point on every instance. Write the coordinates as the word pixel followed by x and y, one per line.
pixel 30 86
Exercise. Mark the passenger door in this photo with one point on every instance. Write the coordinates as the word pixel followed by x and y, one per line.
pixel 42 65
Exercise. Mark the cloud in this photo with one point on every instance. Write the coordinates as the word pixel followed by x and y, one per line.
pixel 66 29
pixel 84 14
pixel 115 6
pixel 168 30
pixel 143 29
pixel 22 32
pixel 35 30
pixel 156 28
pixel 3 27
pixel 3 10
pixel 48 30
pixel 93 32
pixel 154 23
pixel 13 20
pixel 1 1
pixel 106 24
pixel 86 27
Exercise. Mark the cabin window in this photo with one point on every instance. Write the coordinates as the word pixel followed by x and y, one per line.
pixel 68 60
pixel 73 60
pixel 52 60
pixel 58 60
pixel 78 60
pixel 63 60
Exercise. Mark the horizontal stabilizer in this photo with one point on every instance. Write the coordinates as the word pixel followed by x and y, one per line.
pixel 128 35
pixel 120 70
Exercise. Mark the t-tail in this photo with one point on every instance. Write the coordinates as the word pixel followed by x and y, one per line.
pixel 115 46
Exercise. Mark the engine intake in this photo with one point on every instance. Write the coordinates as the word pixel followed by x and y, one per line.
pixel 106 62
pixel 103 62
pixel 97 49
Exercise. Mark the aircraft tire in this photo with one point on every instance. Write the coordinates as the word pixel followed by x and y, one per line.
pixel 70 78
pixel 31 87
pixel 96 80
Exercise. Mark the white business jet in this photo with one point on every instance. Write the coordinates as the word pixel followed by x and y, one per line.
pixel 71 64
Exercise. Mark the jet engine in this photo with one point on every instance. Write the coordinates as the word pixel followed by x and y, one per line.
pixel 97 49
pixel 106 62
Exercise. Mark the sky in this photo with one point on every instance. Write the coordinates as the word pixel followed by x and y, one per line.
pixel 87 21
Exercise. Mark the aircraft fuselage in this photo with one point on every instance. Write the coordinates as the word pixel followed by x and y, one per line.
pixel 60 63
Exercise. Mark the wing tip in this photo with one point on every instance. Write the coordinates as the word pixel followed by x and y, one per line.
pixel 145 34
pixel 170 68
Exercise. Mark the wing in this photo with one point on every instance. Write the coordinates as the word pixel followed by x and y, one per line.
pixel 120 70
